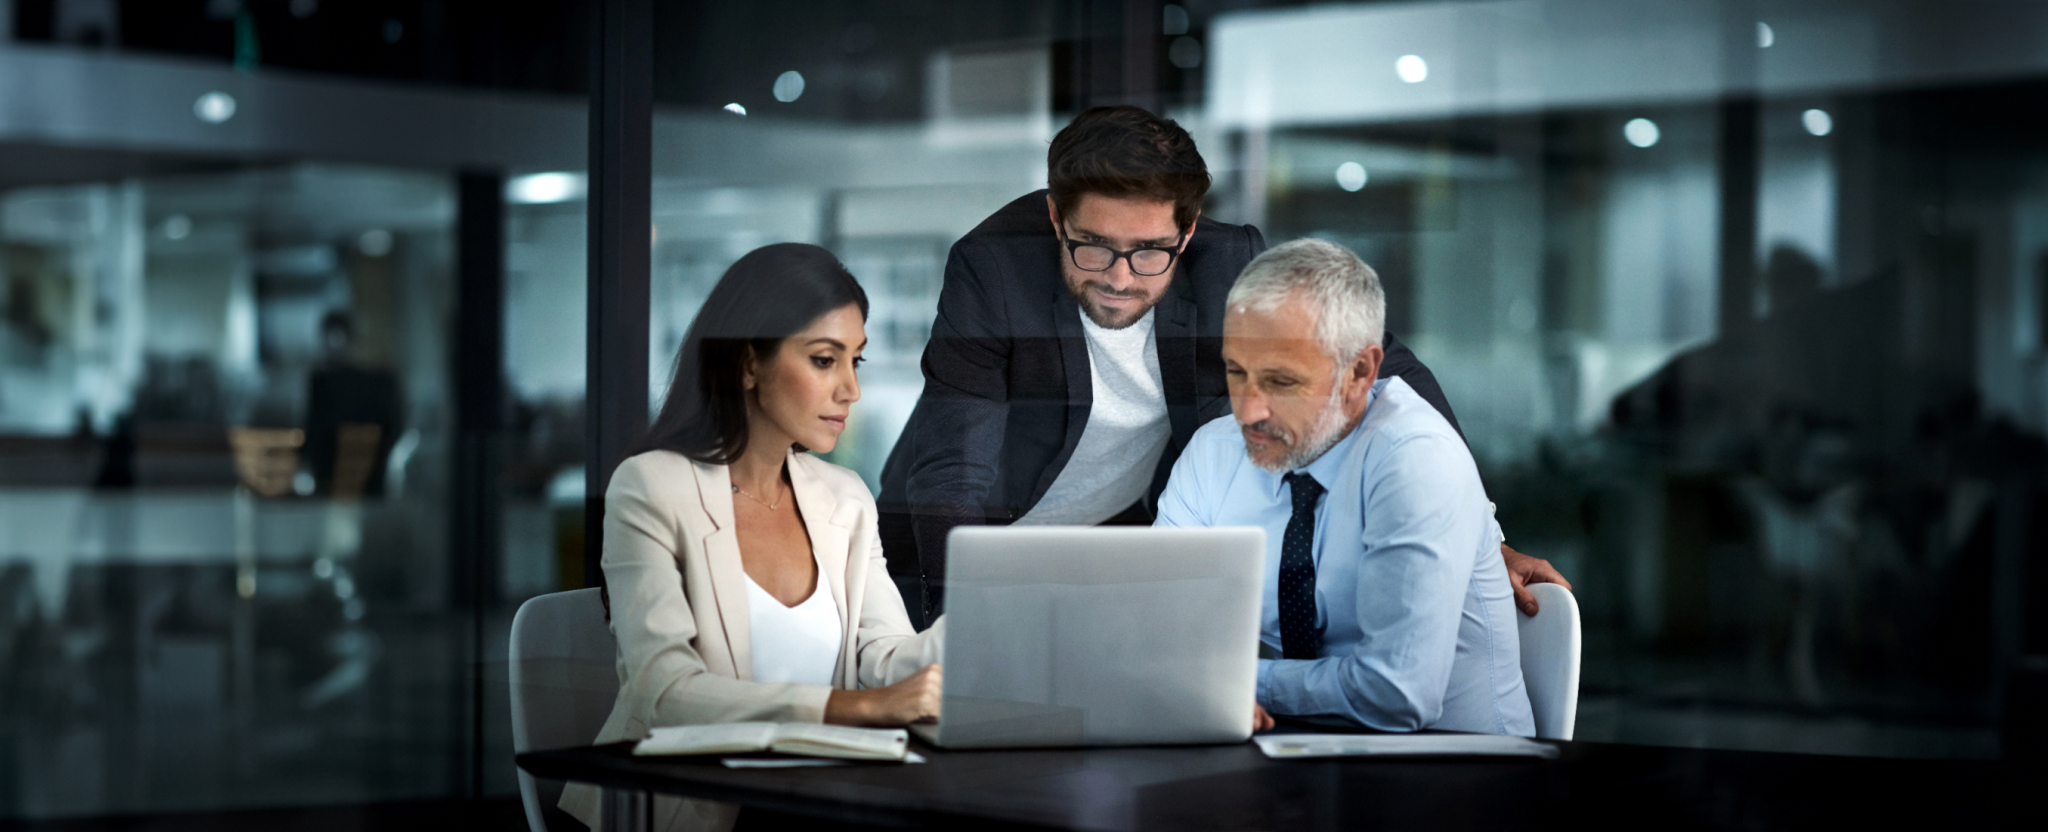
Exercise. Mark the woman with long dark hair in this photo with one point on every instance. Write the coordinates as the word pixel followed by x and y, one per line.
pixel 745 575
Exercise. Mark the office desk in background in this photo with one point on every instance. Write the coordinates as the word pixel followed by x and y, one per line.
pixel 1592 786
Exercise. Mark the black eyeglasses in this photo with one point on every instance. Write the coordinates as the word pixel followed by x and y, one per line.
pixel 1145 262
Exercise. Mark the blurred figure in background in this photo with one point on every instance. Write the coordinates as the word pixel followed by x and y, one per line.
pixel 353 416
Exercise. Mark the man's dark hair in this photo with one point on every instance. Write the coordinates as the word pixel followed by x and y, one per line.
pixel 770 294
pixel 1126 152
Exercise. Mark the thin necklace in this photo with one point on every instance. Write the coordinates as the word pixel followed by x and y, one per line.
pixel 771 506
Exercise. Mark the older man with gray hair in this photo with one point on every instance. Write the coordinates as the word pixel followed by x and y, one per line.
pixel 1386 603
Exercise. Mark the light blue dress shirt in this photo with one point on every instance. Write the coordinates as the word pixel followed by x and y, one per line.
pixel 1413 599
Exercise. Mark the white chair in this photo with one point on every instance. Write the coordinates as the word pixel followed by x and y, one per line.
pixel 1550 660
pixel 564 679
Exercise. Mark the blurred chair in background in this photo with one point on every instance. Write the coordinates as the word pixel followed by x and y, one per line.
pixel 266 459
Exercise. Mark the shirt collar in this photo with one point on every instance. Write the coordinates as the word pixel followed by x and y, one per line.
pixel 1325 468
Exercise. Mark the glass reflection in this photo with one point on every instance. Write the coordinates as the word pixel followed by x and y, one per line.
pixel 1792 483
pixel 1764 375
pixel 224 416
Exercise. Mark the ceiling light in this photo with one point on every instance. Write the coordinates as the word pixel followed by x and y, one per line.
pixel 789 86
pixel 214 107
pixel 1412 68
pixel 543 188
pixel 1641 132
pixel 1351 176
pixel 1817 122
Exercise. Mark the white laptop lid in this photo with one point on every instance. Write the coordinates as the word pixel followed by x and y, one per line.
pixel 1065 636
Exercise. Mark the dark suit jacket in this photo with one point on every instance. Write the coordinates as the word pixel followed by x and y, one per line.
pixel 1007 385
pixel 339 394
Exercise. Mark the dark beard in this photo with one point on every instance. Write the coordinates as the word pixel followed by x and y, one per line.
pixel 1100 316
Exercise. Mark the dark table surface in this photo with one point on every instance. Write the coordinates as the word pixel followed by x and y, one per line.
pixel 1592 785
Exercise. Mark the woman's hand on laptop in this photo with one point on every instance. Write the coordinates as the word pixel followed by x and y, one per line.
pixel 1261 721
pixel 915 699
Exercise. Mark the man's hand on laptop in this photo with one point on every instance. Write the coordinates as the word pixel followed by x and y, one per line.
pixel 1261 721
pixel 1524 570
pixel 915 699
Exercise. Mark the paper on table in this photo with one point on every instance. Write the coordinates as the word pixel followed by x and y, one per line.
pixel 1286 746
pixel 785 762
pixel 801 762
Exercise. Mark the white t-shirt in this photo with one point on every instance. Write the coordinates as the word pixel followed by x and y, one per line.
pixel 1126 432
pixel 794 644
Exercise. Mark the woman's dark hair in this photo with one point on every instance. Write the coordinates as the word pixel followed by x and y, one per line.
pixel 772 293
pixel 1126 152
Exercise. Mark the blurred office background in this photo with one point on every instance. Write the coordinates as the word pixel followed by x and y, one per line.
pixel 1744 307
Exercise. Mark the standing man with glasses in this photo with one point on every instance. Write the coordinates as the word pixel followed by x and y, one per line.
pixel 1077 348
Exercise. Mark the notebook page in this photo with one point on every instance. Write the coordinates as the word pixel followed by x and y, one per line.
pixel 799 762
pixel 841 741
pixel 727 738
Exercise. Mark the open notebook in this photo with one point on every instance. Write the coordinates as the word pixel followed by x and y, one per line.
pixel 806 739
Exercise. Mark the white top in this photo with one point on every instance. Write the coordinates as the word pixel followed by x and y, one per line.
pixel 1126 432
pixel 794 644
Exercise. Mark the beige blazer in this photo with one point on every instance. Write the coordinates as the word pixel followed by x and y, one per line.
pixel 679 608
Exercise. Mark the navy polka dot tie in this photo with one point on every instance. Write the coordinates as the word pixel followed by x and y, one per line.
pixel 1299 636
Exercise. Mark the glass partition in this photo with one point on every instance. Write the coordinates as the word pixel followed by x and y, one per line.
pixel 228 425
pixel 545 295
pixel 1742 307
pixel 883 134
pixel 230 297
pixel 1726 307
pixel 1737 303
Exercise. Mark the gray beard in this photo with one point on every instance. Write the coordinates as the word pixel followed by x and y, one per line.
pixel 1329 428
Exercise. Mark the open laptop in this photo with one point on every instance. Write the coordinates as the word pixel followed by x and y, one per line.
pixel 1078 636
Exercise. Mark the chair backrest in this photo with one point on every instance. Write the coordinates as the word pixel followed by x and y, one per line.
pixel 1550 660
pixel 564 669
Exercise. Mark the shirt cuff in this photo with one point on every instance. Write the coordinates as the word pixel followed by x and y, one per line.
pixel 1262 695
